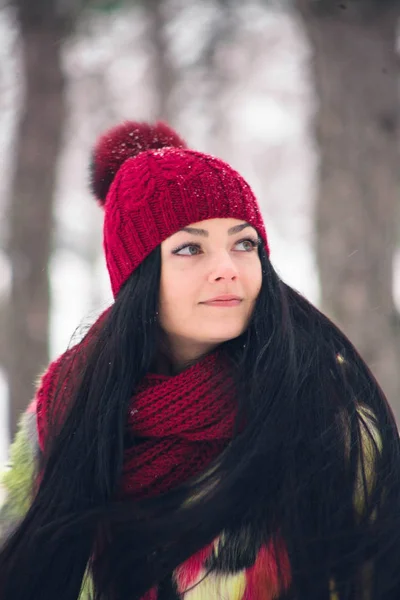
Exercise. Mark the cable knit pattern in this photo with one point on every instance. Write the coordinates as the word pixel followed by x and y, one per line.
pixel 151 186
pixel 159 192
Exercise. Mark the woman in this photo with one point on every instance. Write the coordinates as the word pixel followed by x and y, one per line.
pixel 213 436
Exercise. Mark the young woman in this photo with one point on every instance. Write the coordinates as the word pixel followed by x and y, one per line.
pixel 213 436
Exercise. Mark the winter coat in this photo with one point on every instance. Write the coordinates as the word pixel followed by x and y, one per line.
pixel 255 583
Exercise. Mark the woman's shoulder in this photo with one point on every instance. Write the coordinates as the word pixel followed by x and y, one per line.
pixel 18 476
pixel 57 382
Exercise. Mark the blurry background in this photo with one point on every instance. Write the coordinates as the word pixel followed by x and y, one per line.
pixel 301 96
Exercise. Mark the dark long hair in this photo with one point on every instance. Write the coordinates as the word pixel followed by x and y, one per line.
pixel 296 473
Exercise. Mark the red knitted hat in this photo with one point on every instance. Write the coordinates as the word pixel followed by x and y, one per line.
pixel 151 186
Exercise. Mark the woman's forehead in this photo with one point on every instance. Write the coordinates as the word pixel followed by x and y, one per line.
pixel 204 228
pixel 226 222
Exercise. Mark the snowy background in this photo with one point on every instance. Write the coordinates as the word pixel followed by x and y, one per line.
pixel 268 102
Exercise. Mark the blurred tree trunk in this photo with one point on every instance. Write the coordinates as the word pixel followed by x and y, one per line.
pixel 357 214
pixel 31 205
pixel 216 63
pixel 163 71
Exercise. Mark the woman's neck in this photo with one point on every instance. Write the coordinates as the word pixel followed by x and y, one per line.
pixel 172 360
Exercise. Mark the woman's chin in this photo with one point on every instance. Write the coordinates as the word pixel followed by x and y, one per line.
pixel 225 334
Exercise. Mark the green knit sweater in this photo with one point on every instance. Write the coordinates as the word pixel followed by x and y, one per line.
pixel 17 481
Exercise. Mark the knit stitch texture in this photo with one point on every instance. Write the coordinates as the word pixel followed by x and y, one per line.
pixel 178 424
pixel 151 186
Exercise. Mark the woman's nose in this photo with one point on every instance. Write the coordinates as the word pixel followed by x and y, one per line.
pixel 223 268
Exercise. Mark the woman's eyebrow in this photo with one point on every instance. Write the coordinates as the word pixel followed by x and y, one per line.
pixel 204 232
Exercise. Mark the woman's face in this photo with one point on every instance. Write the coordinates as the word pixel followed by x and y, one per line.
pixel 205 261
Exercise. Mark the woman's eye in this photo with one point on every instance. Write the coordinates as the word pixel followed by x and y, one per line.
pixel 248 245
pixel 189 250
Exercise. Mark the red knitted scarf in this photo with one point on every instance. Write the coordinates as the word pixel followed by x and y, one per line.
pixel 183 422
pixel 177 424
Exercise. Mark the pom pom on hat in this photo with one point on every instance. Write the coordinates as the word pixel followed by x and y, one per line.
pixel 124 141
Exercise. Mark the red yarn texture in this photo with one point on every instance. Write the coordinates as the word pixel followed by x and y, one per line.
pixel 186 421
pixel 178 424
pixel 159 192
pixel 124 141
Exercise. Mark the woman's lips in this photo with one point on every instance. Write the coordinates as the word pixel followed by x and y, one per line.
pixel 223 303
